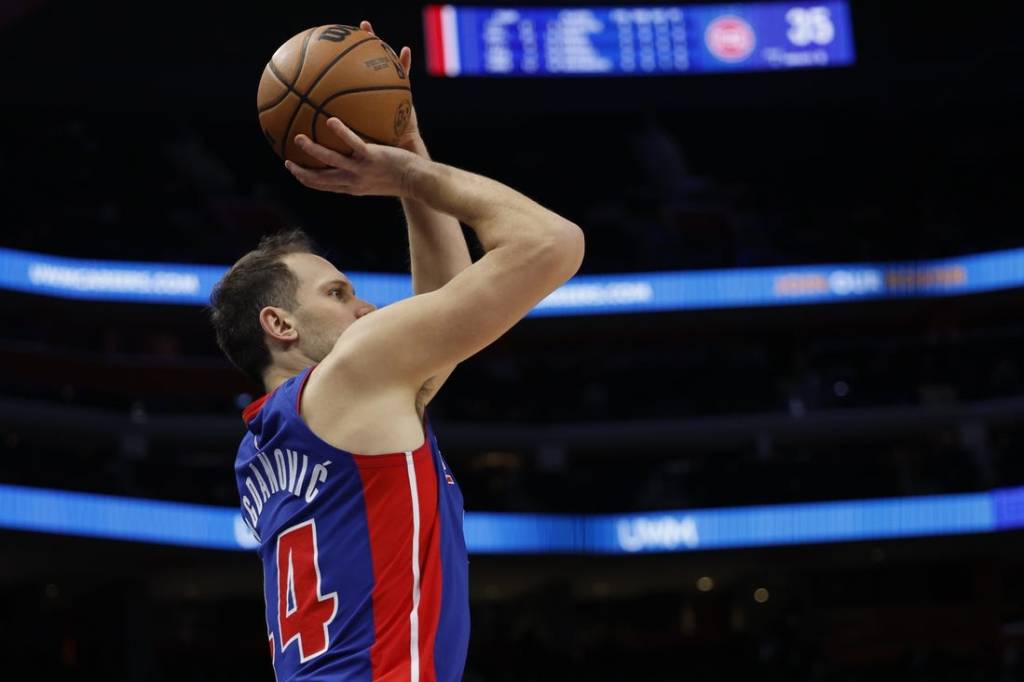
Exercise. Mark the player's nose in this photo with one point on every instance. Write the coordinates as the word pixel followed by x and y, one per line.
pixel 365 309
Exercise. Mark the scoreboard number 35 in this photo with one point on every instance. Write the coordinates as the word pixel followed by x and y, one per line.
pixel 810 26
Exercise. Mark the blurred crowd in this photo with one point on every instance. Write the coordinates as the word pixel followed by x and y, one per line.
pixel 876 613
pixel 663 197
pixel 627 367
pixel 189 192
pixel 551 477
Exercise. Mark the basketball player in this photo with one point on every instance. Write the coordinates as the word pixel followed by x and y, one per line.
pixel 359 518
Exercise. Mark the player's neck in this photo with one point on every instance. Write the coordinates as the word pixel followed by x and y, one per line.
pixel 276 375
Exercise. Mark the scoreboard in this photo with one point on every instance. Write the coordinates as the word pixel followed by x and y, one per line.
pixel 636 41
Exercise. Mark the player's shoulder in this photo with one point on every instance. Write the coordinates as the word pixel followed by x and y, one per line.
pixel 361 361
pixel 354 410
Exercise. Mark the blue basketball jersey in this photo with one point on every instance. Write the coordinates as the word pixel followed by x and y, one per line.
pixel 365 571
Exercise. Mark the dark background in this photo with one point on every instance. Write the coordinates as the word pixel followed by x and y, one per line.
pixel 132 134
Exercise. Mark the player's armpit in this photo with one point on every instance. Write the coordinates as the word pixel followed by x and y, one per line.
pixel 432 386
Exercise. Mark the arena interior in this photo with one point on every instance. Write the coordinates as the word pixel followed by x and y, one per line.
pixel 771 431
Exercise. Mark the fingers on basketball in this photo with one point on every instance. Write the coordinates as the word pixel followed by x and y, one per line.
pixel 321 153
pixel 306 176
pixel 405 54
pixel 347 136
pixel 331 179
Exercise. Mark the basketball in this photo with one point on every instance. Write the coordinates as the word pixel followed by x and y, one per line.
pixel 326 71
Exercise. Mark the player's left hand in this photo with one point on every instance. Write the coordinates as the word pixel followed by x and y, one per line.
pixel 412 129
pixel 369 170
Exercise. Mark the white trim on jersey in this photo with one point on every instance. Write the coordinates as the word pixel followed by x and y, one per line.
pixel 414 621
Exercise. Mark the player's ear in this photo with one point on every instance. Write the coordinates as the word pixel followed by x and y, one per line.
pixel 277 323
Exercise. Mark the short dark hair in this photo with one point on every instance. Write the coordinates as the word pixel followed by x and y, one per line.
pixel 258 279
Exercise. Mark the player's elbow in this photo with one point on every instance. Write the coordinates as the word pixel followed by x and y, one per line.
pixel 565 249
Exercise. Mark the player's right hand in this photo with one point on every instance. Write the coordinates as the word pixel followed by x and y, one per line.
pixel 371 169
pixel 411 134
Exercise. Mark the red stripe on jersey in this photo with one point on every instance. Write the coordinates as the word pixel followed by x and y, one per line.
pixel 430 564
pixel 389 518
pixel 389 522
pixel 253 408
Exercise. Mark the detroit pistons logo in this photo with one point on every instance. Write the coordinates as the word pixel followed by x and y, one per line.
pixel 402 117
pixel 730 38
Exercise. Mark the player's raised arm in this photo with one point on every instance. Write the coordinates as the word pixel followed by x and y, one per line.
pixel 530 252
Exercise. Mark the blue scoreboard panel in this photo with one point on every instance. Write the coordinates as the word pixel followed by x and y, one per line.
pixel 636 41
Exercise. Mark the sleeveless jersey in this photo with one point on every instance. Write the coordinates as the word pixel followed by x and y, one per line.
pixel 365 571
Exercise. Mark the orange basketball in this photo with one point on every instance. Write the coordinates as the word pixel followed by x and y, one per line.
pixel 330 71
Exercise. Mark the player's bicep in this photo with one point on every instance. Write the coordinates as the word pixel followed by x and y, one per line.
pixel 420 337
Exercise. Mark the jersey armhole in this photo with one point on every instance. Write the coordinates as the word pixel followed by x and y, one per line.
pixel 302 387
pixel 424 423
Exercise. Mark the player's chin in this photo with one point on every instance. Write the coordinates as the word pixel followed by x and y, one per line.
pixel 343 330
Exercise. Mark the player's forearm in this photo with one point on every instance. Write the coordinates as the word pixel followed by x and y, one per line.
pixel 498 214
pixel 437 247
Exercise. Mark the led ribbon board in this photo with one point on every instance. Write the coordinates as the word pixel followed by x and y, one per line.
pixel 191 525
pixel 583 295
pixel 636 41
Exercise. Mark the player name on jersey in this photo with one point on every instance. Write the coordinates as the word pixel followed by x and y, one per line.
pixel 283 471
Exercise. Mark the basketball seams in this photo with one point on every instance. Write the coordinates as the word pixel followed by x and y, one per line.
pixel 364 136
pixel 302 55
pixel 334 61
pixel 274 71
pixel 368 88
pixel 291 121
pixel 280 79
pixel 320 110
pixel 303 97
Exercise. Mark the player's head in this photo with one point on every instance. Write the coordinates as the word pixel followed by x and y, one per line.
pixel 282 305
